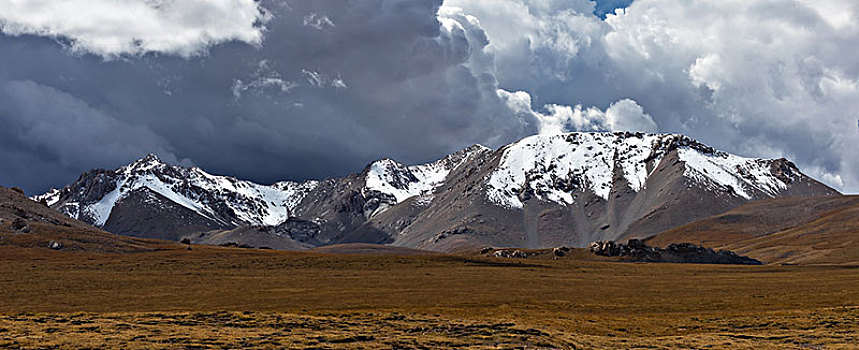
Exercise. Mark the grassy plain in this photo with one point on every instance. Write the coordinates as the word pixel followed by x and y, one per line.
pixel 219 298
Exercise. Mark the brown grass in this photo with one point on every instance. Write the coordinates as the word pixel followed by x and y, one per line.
pixel 834 239
pixel 233 298
pixel 819 230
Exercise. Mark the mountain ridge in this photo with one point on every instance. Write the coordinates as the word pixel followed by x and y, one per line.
pixel 544 190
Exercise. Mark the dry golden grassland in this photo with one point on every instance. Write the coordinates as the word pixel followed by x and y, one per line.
pixel 817 230
pixel 218 298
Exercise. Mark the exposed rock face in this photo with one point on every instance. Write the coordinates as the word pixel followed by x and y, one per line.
pixel 20 225
pixel 29 224
pixel 292 234
pixel 457 231
pixel 543 191
pixel 560 251
pixel 143 212
pixel 300 230
pixel 637 250
pixel 504 253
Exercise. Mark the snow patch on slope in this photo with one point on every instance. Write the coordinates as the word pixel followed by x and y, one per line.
pixel 388 176
pixel 553 166
pixel 101 211
pixel 732 172
pixel 403 182
pixel 155 184
pixel 295 192
pixel 193 188
pixel 51 197
pixel 257 204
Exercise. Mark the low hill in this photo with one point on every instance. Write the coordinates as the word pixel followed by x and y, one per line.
pixel 832 239
pixel 783 230
pixel 29 224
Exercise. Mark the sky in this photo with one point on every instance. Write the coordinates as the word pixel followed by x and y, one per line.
pixel 274 90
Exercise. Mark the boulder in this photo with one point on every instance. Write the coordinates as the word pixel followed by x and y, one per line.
pixel 519 254
pixel 501 254
pixel 457 231
pixel 20 225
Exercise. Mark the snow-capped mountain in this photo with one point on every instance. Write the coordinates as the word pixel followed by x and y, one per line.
pixel 540 191
pixel 552 166
pixel 224 201
pixel 576 188
pixel 401 181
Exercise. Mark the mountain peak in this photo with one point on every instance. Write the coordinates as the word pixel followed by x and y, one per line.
pixel 404 181
pixel 151 157
pixel 551 166
pixel 149 162
pixel 476 148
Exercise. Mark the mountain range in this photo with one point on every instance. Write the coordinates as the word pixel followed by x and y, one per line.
pixel 542 191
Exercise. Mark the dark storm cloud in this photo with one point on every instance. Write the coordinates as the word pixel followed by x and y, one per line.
pixel 330 88
pixel 43 129
pixel 306 89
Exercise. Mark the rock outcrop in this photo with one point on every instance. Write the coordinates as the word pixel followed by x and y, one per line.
pixel 637 250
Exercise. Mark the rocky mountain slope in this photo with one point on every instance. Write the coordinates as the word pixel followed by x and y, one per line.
pixel 28 224
pixel 542 191
pixel 553 190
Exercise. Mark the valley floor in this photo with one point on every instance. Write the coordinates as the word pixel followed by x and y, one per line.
pixel 219 298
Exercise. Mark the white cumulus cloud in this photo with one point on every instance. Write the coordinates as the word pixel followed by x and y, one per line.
pixel 627 115
pixel 762 78
pixel 116 27
pixel 622 115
